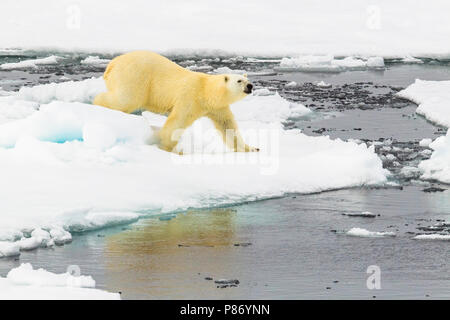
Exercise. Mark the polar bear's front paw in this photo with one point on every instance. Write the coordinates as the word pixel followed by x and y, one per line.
pixel 251 149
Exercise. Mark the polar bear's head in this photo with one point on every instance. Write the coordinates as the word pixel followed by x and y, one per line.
pixel 238 86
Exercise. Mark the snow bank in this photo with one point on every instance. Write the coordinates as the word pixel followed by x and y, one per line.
pixel 433 98
pixel 9 249
pixel 70 91
pixel 329 64
pixel 24 282
pixel 360 232
pixel 60 122
pixel 82 167
pixel 30 63
pixel 13 109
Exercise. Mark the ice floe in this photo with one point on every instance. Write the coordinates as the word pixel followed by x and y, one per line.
pixel 95 61
pixel 24 282
pixel 32 63
pixel 433 98
pixel 328 63
pixel 226 70
pixel 433 236
pixel 425 142
pixel 70 91
pixel 438 166
pixel 360 232
pixel 71 166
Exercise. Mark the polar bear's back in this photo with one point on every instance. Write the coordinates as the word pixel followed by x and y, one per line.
pixel 131 75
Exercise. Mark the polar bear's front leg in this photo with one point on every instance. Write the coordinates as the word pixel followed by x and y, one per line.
pixel 172 130
pixel 224 122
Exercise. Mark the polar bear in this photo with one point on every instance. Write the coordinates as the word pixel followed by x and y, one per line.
pixel 147 80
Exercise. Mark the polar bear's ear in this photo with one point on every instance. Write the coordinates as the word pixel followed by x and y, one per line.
pixel 245 75
pixel 226 78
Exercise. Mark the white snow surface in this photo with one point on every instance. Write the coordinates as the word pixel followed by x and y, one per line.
pixel 32 63
pixel 433 236
pixel 438 166
pixel 24 282
pixel 328 63
pixel 433 98
pixel 72 166
pixel 373 27
pixel 95 60
pixel 361 232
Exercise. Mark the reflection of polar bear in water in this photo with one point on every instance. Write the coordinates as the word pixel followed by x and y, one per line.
pixel 146 80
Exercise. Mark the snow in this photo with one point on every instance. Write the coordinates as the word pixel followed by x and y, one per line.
pixel 83 167
pixel 438 166
pixel 432 236
pixel 262 92
pixel 360 232
pixel 33 63
pixel 291 84
pixel 11 109
pixel 433 98
pixel 425 142
pixel 411 60
pixel 9 249
pixel 24 282
pixel 410 172
pixel 200 68
pixel 70 91
pixel 95 60
pixel 323 84
pixel 226 70
pixel 328 63
pixel 376 27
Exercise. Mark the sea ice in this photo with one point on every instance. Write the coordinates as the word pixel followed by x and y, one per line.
pixel 32 63
pixel 425 142
pixel 432 236
pixel 438 166
pixel 83 167
pixel 433 98
pixel 360 232
pixel 95 60
pixel 24 282
pixel 328 63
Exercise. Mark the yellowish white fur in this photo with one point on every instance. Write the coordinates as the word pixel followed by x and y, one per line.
pixel 146 80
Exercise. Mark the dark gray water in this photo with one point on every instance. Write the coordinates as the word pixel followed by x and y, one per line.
pixel 293 252
pixel 294 247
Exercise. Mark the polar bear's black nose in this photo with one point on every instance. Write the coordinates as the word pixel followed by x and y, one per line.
pixel 249 87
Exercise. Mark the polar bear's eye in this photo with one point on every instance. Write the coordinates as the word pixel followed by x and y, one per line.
pixel 239 81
